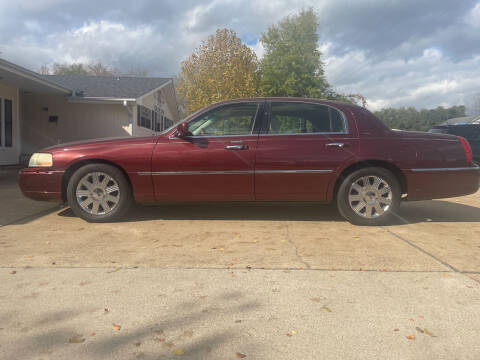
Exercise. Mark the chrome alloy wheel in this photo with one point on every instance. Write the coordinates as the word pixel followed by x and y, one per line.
pixel 370 196
pixel 97 193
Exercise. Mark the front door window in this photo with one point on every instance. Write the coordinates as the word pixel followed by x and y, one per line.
pixel 6 123
pixel 228 120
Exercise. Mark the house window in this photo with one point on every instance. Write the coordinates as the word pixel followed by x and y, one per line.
pixel 152 119
pixel 6 123
pixel 144 118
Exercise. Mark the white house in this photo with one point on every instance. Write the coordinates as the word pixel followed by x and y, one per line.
pixel 37 111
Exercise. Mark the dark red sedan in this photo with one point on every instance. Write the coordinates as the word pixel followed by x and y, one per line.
pixel 264 149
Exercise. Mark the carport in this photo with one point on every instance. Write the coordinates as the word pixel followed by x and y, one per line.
pixel 15 82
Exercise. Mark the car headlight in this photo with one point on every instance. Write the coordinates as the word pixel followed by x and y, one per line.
pixel 41 160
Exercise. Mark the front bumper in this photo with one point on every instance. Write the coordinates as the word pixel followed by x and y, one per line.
pixel 41 184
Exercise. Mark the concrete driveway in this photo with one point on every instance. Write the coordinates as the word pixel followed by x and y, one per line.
pixel 224 281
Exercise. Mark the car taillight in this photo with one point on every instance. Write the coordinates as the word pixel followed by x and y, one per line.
pixel 466 148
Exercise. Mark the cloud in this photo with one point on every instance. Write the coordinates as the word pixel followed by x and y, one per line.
pixel 428 80
pixel 396 53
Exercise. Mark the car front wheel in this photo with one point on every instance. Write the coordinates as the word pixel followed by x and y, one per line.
pixel 99 193
pixel 369 196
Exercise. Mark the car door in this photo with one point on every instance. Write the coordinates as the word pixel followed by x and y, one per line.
pixel 214 162
pixel 300 150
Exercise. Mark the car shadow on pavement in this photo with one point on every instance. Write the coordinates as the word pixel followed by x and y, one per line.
pixel 436 211
pixel 410 212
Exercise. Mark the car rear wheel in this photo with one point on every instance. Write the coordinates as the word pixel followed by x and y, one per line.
pixel 369 196
pixel 99 193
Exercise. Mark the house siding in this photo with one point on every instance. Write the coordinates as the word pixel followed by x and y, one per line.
pixel 76 121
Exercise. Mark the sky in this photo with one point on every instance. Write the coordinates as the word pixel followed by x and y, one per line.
pixel 421 53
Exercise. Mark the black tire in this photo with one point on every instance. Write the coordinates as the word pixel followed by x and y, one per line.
pixel 374 218
pixel 124 194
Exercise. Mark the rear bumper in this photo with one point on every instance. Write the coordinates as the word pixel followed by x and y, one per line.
pixel 437 183
pixel 41 184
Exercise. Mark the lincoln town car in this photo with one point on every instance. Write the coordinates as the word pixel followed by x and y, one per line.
pixel 258 150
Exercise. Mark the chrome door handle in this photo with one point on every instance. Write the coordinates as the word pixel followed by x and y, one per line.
pixel 340 145
pixel 236 147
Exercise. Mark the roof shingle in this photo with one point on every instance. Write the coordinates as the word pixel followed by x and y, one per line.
pixel 123 87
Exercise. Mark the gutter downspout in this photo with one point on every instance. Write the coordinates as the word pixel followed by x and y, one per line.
pixel 130 116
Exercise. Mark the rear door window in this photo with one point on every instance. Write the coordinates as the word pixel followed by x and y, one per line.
pixel 303 118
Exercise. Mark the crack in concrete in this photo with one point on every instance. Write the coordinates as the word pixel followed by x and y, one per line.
pixel 444 263
pixel 290 241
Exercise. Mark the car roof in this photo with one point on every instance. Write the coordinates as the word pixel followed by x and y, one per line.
pixel 289 99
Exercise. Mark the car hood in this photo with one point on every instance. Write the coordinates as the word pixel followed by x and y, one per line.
pixel 86 144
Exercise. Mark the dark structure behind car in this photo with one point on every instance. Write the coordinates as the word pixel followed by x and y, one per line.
pixel 471 132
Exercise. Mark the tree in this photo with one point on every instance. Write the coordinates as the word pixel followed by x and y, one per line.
pixel 474 105
pixel 292 63
pixel 221 68
pixel 93 69
pixel 413 119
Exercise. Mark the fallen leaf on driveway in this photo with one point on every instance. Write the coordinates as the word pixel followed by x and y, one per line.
pixel 92 334
pixel 396 329
pixel 325 308
pixel 316 299
pixel 188 333
pixel 284 241
pixel 240 355
pixel 13 272
pixel 114 270
pixel 76 339
pixel 411 337
pixel 116 327
pixel 419 330
pixel 138 343
pixel 47 242
pixel 105 311
pixel 179 351
pixel 428 333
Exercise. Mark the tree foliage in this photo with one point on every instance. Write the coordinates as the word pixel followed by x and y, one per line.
pixel 419 120
pixel 292 64
pixel 221 68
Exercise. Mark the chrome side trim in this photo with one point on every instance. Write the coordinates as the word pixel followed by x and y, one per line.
pixel 303 134
pixel 470 168
pixel 234 172
pixel 293 171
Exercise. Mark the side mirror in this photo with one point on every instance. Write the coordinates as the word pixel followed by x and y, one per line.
pixel 182 130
